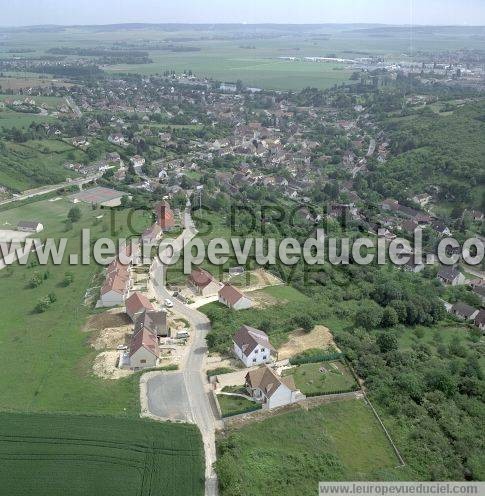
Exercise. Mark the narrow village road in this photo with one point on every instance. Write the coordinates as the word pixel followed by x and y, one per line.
pixel 167 392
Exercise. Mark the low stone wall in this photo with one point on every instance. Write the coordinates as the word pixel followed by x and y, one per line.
pixel 306 404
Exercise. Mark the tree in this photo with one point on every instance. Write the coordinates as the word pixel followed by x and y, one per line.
pixel 43 305
pixel 369 316
pixel 387 342
pixel 305 322
pixel 389 317
pixel 74 214
pixel 36 280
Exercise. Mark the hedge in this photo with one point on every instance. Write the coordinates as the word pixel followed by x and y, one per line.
pixel 323 357
pixel 241 412
pixel 338 391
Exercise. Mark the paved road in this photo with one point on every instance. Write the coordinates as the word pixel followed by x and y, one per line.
pixel 50 189
pixel 185 394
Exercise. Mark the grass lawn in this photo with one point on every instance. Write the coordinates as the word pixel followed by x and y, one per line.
pixel 276 319
pixel 232 405
pixel 291 453
pixel 55 455
pixel 309 379
pixel 45 362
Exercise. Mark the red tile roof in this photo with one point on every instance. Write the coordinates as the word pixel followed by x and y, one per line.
pixel 144 339
pixel 230 294
pixel 136 303
pixel 200 277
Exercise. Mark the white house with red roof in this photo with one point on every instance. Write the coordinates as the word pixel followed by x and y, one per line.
pixel 233 298
pixel 136 304
pixel 144 350
pixel 203 283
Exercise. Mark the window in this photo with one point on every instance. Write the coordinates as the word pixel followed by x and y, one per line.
pixel 254 359
pixel 264 358
pixel 262 349
pixel 256 351
pixel 143 361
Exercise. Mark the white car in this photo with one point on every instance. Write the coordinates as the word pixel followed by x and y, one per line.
pixel 168 303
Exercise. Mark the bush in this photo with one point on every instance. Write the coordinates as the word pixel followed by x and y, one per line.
pixel 322 357
pixel 219 371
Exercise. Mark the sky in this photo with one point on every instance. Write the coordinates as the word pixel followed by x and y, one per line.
pixel 429 12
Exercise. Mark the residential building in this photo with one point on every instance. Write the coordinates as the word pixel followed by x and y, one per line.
pixel 463 311
pixel 451 276
pixel 233 298
pixel 136 304
pixel 203 283
pixel 30 226
pixel 480 320
pixel 265 386
pixel 252 346
pixel 154 321
pixel 144 350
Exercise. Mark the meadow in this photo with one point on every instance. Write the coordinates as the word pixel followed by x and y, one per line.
pixel 45 361
pixel 55 455
pixel 290 453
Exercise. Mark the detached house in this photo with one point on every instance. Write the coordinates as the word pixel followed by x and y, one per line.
pixel 451 276
pixel 153 321
pixel 136 304
pixel 265 386
pixel 252 346
pixel 203 283
pixel 463 311
pixel 30 226
pixel 144 350
pixel 479 320
pixel 233 298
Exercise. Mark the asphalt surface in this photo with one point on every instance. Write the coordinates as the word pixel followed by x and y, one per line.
pixel 184 395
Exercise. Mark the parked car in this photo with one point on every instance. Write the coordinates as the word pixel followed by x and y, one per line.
pixel 168 303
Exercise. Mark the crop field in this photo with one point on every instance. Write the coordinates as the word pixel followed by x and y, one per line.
pixel 292 452
pixel 56 455
pixel 45 359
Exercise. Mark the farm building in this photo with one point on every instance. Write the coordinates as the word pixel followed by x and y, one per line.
pixel 104 197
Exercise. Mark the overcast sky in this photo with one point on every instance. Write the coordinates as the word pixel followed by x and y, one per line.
pixel 28 12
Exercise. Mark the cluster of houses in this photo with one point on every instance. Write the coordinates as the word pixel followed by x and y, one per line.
pixel 203 283
pixel 149 325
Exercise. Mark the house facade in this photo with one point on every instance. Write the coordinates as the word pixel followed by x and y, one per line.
pixel 233 298
pixel 144 350
pixel 203 283
pixel 451 276
pixel 253 347
pixel 268 388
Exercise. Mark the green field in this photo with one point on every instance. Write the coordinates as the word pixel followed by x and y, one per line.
pixel 37 163
pixel 309 379
pixel 291 453
pixel 45 361
pixel 56 455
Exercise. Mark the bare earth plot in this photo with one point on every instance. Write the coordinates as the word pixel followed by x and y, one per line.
pixel 300 341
